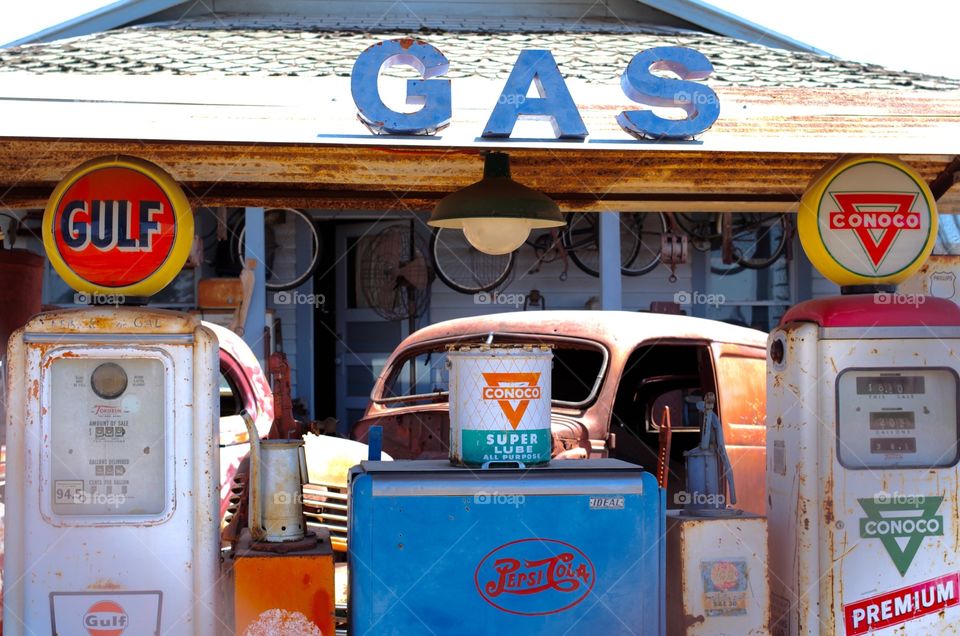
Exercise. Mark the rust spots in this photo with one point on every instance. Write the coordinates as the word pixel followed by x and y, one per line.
pixel 406 43
pixel 828 501
pixel 104 584
pixel 689 620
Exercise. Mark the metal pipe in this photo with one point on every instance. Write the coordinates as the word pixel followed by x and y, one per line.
pixel 611 287
pixel 254 509
pixel 255 247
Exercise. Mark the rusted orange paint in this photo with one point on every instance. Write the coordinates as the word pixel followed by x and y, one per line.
pixel 104 584
pixel 422 430
pixel 298 582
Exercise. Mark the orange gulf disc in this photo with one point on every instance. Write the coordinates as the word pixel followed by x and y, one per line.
pixel 118 225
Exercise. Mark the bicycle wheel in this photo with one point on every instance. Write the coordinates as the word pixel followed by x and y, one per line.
pixel 699 226
pixel 759 239
pixel 650 227
pixel 462 267
pixel 581 239
pixel 280 260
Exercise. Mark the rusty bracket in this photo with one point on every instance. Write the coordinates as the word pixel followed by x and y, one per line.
pixel 945 180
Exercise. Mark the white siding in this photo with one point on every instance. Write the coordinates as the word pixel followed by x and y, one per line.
pixel 823 287
pixel 638 291
pixel 284 266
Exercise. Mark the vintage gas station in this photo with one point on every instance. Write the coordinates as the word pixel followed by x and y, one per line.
pixel 116 492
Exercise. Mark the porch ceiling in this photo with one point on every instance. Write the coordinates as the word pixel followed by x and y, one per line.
pixel 297 142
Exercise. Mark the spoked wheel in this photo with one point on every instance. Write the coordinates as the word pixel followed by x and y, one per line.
pixel 639 241
pixel 280 260
pixel 464 268
pixel 758 241
pixel 649 228
pixel 701 227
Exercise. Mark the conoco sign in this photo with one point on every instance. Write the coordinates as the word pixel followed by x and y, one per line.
pixel 118 225
pixel 868 221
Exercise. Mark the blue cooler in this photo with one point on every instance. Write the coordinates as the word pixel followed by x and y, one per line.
pixel 571 548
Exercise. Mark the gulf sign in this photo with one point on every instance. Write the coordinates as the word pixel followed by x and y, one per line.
pixel 105 618
pixel 902 605
pixel 535 577
pixel 118 225
pixel 868 221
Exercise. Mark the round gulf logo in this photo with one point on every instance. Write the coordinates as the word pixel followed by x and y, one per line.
pixel 868 221
pixel 105 618
pixel 118 225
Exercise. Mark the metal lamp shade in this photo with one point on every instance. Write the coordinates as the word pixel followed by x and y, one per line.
pixel 496 196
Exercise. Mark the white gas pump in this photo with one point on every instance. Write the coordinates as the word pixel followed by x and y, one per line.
pixel 862 421
pixel 112 460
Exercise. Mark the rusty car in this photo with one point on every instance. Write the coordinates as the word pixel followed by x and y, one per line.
pixel 615 376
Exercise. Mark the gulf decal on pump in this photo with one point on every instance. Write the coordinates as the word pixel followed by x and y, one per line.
pixel 868 221
pixel 118 225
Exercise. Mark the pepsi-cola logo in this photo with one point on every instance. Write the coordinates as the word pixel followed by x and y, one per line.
pixel 534 577
pixel 105 618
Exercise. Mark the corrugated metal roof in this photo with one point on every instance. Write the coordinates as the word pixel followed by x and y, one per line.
pixel 595 51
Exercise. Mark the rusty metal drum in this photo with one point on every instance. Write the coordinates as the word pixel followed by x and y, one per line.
pixel 500 404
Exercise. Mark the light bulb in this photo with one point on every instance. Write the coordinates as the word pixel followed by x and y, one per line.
pixel 496 235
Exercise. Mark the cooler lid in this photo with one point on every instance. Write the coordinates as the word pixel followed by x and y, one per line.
pixel 444 466
pixel 407 478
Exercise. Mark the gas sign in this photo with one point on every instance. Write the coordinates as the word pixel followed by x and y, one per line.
pixel 868 221
pixel 118 225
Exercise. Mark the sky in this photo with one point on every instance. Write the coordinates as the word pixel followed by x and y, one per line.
pixel 919 35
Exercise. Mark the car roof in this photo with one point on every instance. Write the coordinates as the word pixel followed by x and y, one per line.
pixel 613 328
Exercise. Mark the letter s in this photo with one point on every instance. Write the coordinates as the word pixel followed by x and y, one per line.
pixel 432 95
pixel 698 100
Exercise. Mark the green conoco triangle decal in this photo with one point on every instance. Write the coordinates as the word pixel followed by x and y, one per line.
pixel 894 522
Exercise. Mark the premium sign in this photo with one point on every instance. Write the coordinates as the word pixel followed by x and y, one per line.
pixel 535 577
pixel 868 221
pixel 536 70
pixel 902 605
pixel 118 226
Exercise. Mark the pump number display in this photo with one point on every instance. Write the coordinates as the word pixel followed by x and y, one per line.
pixel 903 418
pixel 108 432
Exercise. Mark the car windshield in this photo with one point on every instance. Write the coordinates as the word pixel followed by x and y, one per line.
pixel 578 368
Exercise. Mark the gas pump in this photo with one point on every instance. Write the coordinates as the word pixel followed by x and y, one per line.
pixel 112 502
pixel 862 420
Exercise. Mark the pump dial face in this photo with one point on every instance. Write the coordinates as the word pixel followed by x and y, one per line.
pixel 109 380
pixel 903 418
pixel 107 422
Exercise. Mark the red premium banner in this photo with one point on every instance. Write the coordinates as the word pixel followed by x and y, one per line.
pixel 901 605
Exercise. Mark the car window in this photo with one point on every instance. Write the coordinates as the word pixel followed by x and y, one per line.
pixel 684 415
pixel 422 374
pixel 230 403
pixel 578 367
